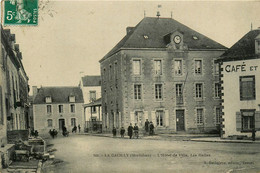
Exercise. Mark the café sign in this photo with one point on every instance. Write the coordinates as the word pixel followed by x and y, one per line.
pixel 243 67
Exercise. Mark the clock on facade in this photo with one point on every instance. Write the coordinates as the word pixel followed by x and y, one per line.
pixel 177 39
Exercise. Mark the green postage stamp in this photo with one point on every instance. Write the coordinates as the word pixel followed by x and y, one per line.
pixel 21 12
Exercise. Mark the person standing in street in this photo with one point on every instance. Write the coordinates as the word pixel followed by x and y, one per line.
pixel 79 128
pixel 151 128
pixel 114 132
pixel 122 132
pixel 136 131
pixel 130 131
pixel 146 126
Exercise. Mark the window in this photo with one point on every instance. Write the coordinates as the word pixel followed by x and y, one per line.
pixel 49 109
pixel 158 91
pixel 218 115
pixel 92 95
pixel 199 90
pixel 72 108
pixel 158 67
pixel 198 66
pixel 199 116
pixel 49 122
pixel 179 97
pixel 159 118
pixel 60 108
pixel 178 67
pixel 73 122
pixel 137 67
pixel 72 99
pixel 247 119
pixel 137 91
pixel 247 87
pixel 216 68
pixel 93 109
pixel 217 90
pixel 48 99
pixel 110 72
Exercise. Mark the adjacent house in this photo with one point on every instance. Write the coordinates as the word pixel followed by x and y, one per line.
pixel 56 107
pixel 240 80
pixel 91 88
pixel 162 71
pixel 14 108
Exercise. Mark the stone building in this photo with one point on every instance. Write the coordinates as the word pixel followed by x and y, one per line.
pixel 240 74
pixel 13 87
pixel 55 107
pixel 162 71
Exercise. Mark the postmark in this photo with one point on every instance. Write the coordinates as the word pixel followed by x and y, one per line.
pixel 20 12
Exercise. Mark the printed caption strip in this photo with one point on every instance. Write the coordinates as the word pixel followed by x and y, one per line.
pixel 20 12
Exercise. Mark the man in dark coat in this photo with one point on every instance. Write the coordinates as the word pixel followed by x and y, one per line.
pixel 130 131
pixel 136 130
pixel 151 128
pixel 146 126
pixel 114 132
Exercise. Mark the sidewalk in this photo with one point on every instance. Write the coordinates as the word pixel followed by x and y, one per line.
pixel 179 137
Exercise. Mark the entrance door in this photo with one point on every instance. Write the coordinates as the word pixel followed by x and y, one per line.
pixel 61 123
pixel 180 120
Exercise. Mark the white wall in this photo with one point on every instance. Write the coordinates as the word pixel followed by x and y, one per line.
pixel 232 103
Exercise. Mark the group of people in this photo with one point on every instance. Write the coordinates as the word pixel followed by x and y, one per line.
pixel 53 133
pixel 149 127
pixel 74 129
pixel 134 131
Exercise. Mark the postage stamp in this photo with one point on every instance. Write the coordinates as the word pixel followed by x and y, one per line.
pixel 21 12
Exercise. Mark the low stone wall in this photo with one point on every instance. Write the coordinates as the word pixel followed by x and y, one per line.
pixel 16 135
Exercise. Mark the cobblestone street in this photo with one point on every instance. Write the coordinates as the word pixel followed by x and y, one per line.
pixel 82 153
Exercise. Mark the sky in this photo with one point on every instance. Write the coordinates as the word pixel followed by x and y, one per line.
pixel 72 36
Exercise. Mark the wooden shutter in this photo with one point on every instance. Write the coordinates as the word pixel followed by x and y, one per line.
pixel 154 118
pixel 257 120
pixel 167 118
pixel 238 121
pixel 132 118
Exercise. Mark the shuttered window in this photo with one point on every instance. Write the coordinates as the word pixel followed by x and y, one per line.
pixel 178 67
pixel 49 121
pixel 248 119
pixel 247 87
pixel 159 118
pixel 158 91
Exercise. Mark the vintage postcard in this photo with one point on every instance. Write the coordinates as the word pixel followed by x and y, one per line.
pixel 130 86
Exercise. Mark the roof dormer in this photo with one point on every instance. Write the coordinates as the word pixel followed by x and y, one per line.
pixel 257 44
pixel 72 99
pixel 48 99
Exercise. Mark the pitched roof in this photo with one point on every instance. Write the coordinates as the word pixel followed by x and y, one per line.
pixel 155 29
pixel 58 94
pixel 244 48
pixel 91 80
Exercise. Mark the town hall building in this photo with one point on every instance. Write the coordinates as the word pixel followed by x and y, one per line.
pixel 162 71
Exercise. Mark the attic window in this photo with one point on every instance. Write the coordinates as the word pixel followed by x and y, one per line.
pixel 146 37
pixel 48 99
pixel 195 37
pixel 71 99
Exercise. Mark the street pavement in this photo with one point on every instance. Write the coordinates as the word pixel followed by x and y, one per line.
pixel 85 153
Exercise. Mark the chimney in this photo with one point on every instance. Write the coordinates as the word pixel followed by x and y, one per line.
pixel 35 91
pixel 129 29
